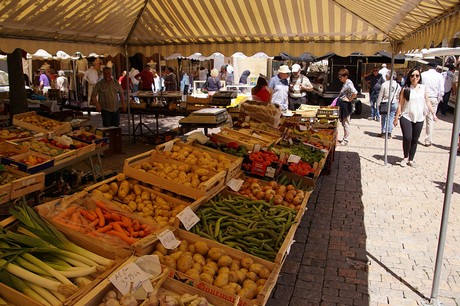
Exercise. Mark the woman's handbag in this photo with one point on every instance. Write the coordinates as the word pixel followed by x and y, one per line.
pixel 383 108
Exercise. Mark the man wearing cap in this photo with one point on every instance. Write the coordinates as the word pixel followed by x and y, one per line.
pixel 384 70
pixel 434 84
pixel 280 86
pixel 374 81
pixel 298 86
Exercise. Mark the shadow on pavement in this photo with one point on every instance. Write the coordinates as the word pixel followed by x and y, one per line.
pixel 442 186
pixel 391 159
pixel 328 263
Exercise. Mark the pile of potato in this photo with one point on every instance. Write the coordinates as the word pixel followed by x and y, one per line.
pixel 134 199
pixel 183 173
pixel 41 121
pixel 198 157
pixel 212 265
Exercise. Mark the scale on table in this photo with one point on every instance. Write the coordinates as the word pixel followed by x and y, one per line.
pixel 207 116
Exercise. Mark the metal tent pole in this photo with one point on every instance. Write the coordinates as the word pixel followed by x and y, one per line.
pixel 128 107
pixel 385 154
pixel 446 206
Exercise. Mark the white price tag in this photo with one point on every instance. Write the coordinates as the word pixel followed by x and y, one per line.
pixel 188 218
pixel 293 159
pixel 235 184
pixel 168 240
pixel 302 127
pixel 168 146
pixel 130 274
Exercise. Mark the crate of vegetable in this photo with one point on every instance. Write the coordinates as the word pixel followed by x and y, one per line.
pixel 49 147
pixel 100 225
pixel 207 264
pixel 189 180
pixel 202 156
pixel 15 132
pixel 50 269
pixel 10 149
pixel 148 201
pixel 165 290
pixel 29 162
pixel 15 184
pixel 263 163
pixel 260 134
pixel 248 139
pixel 304 160
pixel 88 137
pixel 34 122
pixel 256 227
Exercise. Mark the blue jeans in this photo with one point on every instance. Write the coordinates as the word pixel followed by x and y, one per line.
pixel 445 101
pixel 110 118
pixel 373 101
pixel 393 108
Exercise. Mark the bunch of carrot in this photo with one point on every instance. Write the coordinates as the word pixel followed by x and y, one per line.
pixel 102 220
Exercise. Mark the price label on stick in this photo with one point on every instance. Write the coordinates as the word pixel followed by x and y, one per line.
pixel 293 159
pixel 130 274
pixel 302 127
pixel 168 146
pixel 235 184
pixel 188 218
pixel 168 240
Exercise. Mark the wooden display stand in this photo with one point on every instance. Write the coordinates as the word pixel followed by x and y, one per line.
pixel 115 139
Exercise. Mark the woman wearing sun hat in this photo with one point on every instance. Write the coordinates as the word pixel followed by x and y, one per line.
pixel 280 86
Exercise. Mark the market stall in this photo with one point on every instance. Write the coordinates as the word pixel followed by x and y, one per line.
pixel 220 216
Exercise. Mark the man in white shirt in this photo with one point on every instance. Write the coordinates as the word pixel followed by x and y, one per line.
pixel 384 70
pixel 434 84
pixel 91 77
pixel 135 81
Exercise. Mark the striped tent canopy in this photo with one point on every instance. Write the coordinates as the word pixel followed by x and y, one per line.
pixel 226 26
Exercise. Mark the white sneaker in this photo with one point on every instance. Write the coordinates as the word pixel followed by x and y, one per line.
pixel 412 164
pixel 403 163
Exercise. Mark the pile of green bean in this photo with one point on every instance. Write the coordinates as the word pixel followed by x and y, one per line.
pixel 252 226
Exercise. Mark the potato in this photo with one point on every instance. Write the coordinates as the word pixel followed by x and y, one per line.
pixel 114 187
pixel 247 262
pixel 252 276
pixel 255 267
pixel 197 267
pixel 207 278
pixel 103 188
pixel 212 264
pixel 121 177
pixel 241 276
pixel 160 248
pixel 137 190
pixel 229 288
pixel 198 258
pixel 184 262
pixel 224 261
pixel 107 195
pixel 261 282
pixel 201 248
pixel 184 246
pixel 123 189
pixel 216 253
pixel 169 262
pixel 233 277
pixel 246 293
pixel 223 270
pixel 193 273
pixel 235 285
pixel 176 255
pixel 236 265
pixel 221 280
pixel 209 269
pixel 145 195
pixel 264 272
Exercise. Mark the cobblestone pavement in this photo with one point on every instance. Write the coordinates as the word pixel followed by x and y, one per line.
pixel 370 234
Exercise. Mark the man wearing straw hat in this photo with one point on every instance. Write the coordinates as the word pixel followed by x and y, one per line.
pixel 280 86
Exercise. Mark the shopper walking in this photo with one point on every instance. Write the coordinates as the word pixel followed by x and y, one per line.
pixel 105 96
pixel 91 77
pixel 347 94
pixel 434 84
pixel 145 78
pixel 450 88
pixel 388 95
pixel 44 82
pixel 374 80
pixel 62 83
pixel 280 86
pixel 412 108
pixel 213 82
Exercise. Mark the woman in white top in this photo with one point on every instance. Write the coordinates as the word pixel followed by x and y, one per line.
pixel 413 106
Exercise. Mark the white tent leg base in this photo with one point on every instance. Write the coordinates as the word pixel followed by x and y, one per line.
pixel 432 302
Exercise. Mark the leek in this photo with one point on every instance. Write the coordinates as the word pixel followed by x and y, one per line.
pixel 15 282
pixel 72 273
pixel 49 233
pixel 48 296
pixel 30 266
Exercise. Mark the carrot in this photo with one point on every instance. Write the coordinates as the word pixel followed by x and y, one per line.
pixel 100 216
pixel 93 214
pixel 115 216
pixel 94 223
pixel 67 212
pixel 68 225
pixel 134 234
pixel 118 227
pixel 88 215
pixel 107 215
pixel 101 205
pixel 141 233
pixel 136 225
pixel 105 228
pixel 122 236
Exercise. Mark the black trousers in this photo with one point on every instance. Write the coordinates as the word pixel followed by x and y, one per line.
pixel 411 133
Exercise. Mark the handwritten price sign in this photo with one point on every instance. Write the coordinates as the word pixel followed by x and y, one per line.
pixel 235 184
pixel 130 274
pixel 188 218
pixel 168 240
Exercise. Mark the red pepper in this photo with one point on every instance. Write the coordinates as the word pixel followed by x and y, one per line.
pixel 232 145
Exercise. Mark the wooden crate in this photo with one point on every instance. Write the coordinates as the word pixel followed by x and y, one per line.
pixel 104 245
pixel 261 298
pixel 15 297
pixel 232 170
pixel 95 296
pixel 263 135
pixel 193 103
pixel 15 162
pixel 86 148
pixel 58 159
pixel 209 189
pixel 59 129
pixel 146 248
pixel 228 135
pixel 11 149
